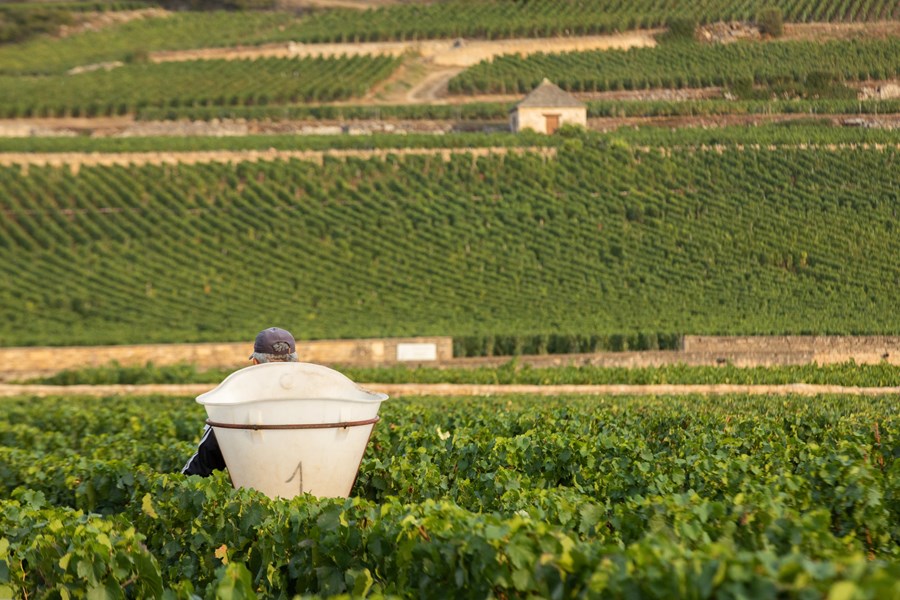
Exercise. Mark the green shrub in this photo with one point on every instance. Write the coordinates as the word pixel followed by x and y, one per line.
pixel 681 28
pixel 19 24
pixel 771 21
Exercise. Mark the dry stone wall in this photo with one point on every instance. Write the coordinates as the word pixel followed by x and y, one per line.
pixel 820 349
pixel 741 351
pixel 21 363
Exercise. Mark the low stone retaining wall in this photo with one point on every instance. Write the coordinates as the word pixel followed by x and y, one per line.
pixel 396 390
pixel 743 351
pixel 20 363
pixel 815 348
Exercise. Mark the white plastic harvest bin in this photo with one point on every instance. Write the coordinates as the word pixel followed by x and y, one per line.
pixel 289 428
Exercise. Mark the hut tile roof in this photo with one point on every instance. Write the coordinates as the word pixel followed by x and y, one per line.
pixel 549 95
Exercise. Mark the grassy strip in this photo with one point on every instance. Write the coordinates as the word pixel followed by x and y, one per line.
pixel 513 372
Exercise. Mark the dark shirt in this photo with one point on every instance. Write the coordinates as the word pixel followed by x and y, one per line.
pixel 208 457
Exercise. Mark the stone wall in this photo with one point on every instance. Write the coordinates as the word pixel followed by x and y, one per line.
pixel 741 351
pixel 813 348
pixel 18 363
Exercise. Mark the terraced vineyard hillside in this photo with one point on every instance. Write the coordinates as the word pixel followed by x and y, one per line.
pixel 202 83
pixel 690 66
pixel 489 19
pixel 604 239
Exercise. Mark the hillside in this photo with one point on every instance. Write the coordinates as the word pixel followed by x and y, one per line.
pixel 413 60
pixel 604 239
pixel 648 233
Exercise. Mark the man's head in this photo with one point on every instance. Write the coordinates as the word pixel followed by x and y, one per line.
pixel 274 345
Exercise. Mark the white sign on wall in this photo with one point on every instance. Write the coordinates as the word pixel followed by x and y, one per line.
pixel 416 351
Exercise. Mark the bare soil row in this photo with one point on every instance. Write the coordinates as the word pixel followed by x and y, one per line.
pixel 396 390
pixel 76 160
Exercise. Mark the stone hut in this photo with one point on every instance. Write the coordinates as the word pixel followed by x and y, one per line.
pixel 547 108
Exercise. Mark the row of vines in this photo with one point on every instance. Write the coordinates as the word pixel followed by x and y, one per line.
pixel 495 19
pixel 133 39
pixel 605 239
pixel 278 88
pixel 271 88
pixel 807 130
pixel 848 374
pixel 686 66
pixel 130 88
pixel 732 497
pixel 498 112
pixel 405 21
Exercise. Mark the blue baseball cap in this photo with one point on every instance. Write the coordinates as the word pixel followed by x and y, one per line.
pixel 274 340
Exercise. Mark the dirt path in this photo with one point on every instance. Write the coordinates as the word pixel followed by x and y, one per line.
pixel 397 390
pixel 127 126
pixel 466 52
pixel 429 64
pixel 447 53
pixel 354 4
pixel 76 160
pixel 433 87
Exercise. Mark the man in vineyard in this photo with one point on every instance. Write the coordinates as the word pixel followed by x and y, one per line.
pixel 271 345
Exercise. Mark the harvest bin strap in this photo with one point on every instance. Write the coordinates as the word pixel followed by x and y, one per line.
pixel 297 426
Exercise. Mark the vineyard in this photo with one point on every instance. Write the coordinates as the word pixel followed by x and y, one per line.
pixel 111 71
pixel 323 143
pixel 605 239
pixel 495 19
pixel 491 19
pixel 201 83
pixel 686 66
pixel 513 244
pixel 803 132
pixel 284 88
pixel 498 112
pixel 128 41
pixel 847 374
pixel 505 496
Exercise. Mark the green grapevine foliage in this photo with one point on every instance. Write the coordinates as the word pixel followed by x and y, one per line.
pixel 605 239
pixel 495 19
pixel 506 496
pixel 686 66
pixel 485 19
pixel 192 83
pixel 499 111
pixel 512 372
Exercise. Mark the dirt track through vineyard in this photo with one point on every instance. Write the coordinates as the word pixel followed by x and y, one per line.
pixel 443 52
pixel 76 160
pixel 396 390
